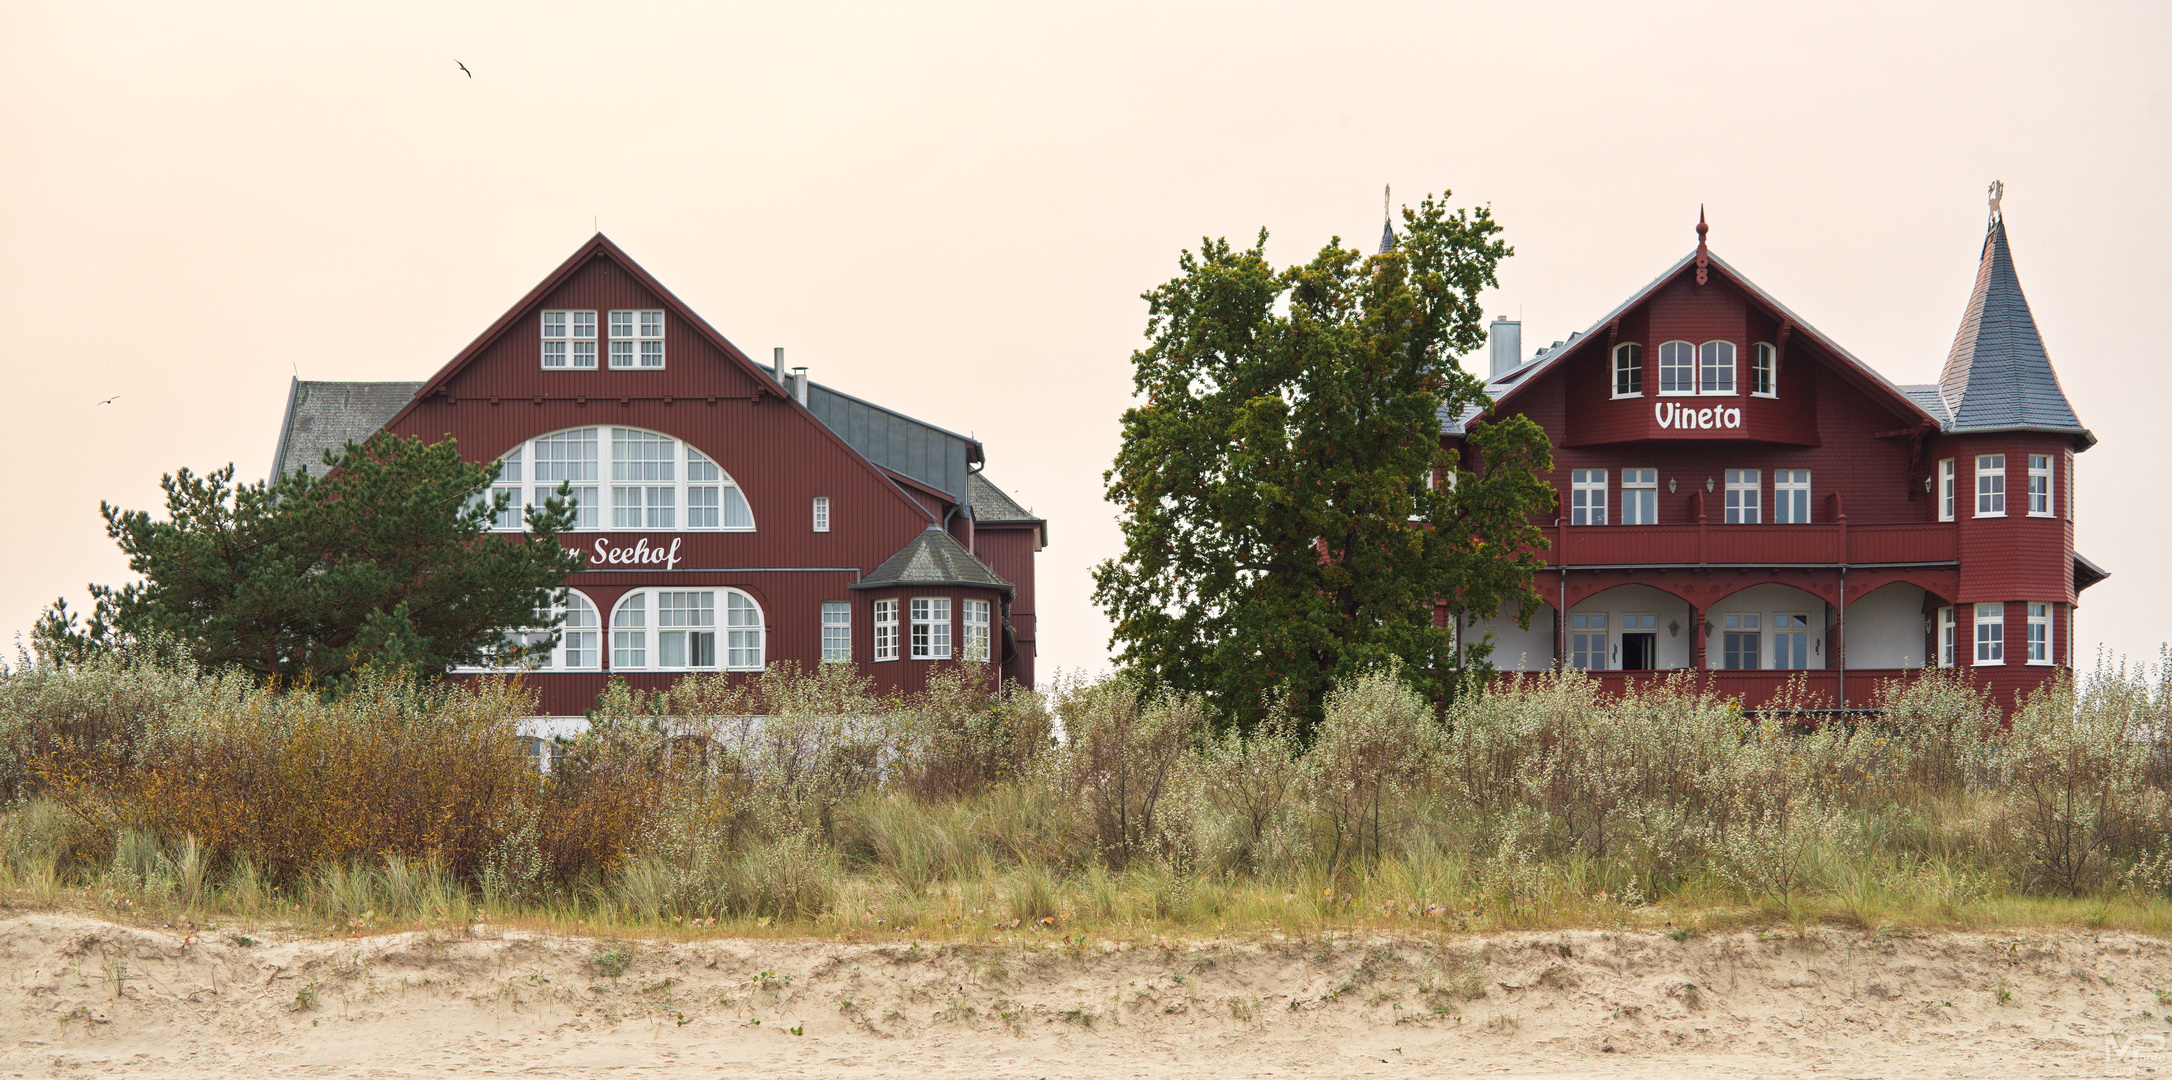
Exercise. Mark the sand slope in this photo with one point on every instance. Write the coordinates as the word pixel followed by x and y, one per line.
pixel 83 998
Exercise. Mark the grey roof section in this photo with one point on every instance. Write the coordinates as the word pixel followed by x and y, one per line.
pixel 992 506
pixel 1927 395
pixel 325 415
pixel 1998 377
pixel 899 443
pixel 933 558
pixel 1387 236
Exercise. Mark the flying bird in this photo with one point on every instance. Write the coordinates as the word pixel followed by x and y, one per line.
pixel 111 400
pixel 464 69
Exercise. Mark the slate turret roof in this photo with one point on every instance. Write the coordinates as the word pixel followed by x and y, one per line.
pixel 933 558
pixel 1998 376
pixel 324 415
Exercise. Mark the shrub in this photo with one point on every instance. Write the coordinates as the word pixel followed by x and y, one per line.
pixel 1121 755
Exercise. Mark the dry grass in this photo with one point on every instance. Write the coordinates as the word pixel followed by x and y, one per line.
pixel 140 787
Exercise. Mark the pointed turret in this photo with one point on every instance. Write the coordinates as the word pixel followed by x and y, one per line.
pixel 1998 376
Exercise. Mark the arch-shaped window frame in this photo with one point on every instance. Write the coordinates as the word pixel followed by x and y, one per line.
pixel 574 639
pixel 1764 370
pixel 1628 370
pixel 1683 359
pixel 736 627
pixel 620 484
pixel 1731 365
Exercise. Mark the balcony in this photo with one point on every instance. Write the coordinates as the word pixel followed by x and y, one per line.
pixel 1752 545
pixel 1758 689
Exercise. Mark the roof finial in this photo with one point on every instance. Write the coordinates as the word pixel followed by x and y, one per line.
pixel 1387 222
pixel 1704 257
pixel 1998 191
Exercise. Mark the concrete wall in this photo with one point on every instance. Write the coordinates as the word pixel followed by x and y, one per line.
pixel 1885 629
pixel 1516 649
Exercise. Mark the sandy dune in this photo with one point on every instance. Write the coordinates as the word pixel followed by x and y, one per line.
pixel 85 998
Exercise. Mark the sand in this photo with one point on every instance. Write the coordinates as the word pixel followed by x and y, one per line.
pixel 86 998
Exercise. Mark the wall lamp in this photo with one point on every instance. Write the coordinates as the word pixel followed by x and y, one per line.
pixel 1670 485
pixel 1708 485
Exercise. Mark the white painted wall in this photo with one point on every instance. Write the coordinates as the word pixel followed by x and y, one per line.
pixel 1885 628
pixel 1767 600
pixel 1642 600
pixel 1514 648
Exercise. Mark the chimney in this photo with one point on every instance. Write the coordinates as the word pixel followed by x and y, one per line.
pixel 1505 338
pixel 799 384
pixel 776 365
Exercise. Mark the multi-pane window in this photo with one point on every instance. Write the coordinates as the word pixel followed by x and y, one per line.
pixel 1743 640
pixel 569 339
pixel 1764 369
pixel 2039 633
pixel 821 513
pixel 1640 496
pixel 508 485
pixel 1791 642
pixel 1677 368
pixel 1990 633
pixel 652 477
pixel 1948 625
pixel 1628 369
pixel 677 629
pixel 1587 497
pixel 1716 367
pixel 1945 489
pixel 2039 485
pixel 931 627
pixel 836 631
pixel 885 629
pixel 637 339
pixel 1791 496
pixel 1744 505
pixel 573 618
pixel 973 629
pixel 1587 641
pixel 1991 485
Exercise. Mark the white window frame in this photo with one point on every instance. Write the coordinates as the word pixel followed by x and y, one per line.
pixel 2039 634
pixel 1746 624
pixel 975 625
pixel 571 329
pixel 931 628
pixel 1803 628
pixel 579 645
pixel 2040 485
pixel 1587 496
pixel 1586 627
pixel 886 639
pixel 1743 497
pixel 2069 456
pixel 689 484
pixel 641 629
pixel 821 513
pixel 1674 359
pixel 508 484
pixel 1786 482
pixel 1947 489
pixel 1731 366
pixel 1991 485
pixel 641 331
pixel 1991 648
pixel 1629 361
pixel 1639 490
pixel 837 631
pixel 1948 637
pixel 1764 370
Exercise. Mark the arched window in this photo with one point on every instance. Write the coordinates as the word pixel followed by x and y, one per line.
pixel 1677 368
pixel 1628 369
pixel 580 638
pixel 679 630
pixel 622 478
pixel 1716 367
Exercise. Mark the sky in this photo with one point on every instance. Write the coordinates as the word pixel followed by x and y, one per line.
pixel 952 209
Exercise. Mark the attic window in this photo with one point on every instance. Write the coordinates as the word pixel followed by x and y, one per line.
pixel 1677 368
pixel 1764 369
pixel 569 340
pixel 1716 367
pixel 1628 370
pixel 637 340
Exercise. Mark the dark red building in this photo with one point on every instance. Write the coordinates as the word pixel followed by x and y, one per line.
pixel 1741 496
pixel 732 514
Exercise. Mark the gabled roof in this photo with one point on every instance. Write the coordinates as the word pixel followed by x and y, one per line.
pixel 933 558
pixel 325 415
pixel 1514 382
pixel 1998 376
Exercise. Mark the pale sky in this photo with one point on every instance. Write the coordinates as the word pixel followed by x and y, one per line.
pixel 952 209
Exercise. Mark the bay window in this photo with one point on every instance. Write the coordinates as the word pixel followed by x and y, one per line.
pixel 885 630
pixel 680 630
pixel 1991 485
pixel 931 627
pixel 2040 633
pixel 1990 634
pixel 2039 485
pixel 657 482
pixel 975 630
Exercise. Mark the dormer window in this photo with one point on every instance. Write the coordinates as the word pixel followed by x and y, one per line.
pixel 1677 368
pixel 569 340
pixel 637 340
pixel 1716 367
pixel 1628 370
pixel 1764 370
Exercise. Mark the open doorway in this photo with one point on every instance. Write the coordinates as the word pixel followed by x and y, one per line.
pixel 1639 642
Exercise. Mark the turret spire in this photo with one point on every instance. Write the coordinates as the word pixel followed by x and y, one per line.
pixel 1387 222
pixel 1998 375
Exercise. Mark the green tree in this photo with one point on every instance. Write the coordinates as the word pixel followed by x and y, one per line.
pixel 387 559
pixel 1280 533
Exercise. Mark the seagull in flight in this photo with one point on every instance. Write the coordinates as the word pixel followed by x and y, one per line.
pixel 464 69
pixel 111 400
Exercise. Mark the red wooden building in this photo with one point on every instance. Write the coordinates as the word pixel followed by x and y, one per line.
pixel 1741 496
pixel 732 514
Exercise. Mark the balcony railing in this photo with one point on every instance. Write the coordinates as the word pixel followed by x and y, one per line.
pixel 1759 689
pixel 1752 545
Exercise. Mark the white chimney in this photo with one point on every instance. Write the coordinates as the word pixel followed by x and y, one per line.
pixel 1504 336
pixel 799 384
